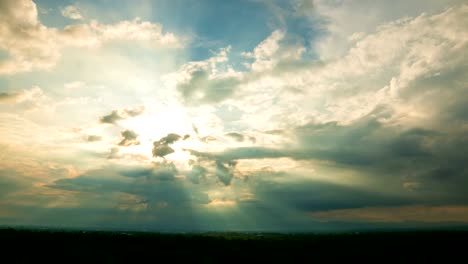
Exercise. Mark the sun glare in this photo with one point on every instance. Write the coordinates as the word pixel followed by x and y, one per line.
pixel 158 122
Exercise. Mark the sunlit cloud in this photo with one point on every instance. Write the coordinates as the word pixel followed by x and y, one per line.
pixel 71 12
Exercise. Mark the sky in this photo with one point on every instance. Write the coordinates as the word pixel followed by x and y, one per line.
pixel 246 115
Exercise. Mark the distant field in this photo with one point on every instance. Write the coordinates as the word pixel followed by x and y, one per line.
pixel 50 244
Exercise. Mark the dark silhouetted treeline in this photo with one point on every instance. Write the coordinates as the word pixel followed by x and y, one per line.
pixel 35 245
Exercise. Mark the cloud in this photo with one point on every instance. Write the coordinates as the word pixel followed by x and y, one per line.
pixel 345 19
pixel 236 136
pixel 161 151
pixel 114 153
pixel 121 114
pixel 9 97
pixel 264 54
pixel 33 46
pixel 71 12
pixel 169 139
pixel 155 187
pixel 94 138
pixel 163 171
pixel 12 181
pixel 289 190
pixel 202 82
pixel 208 139
pixel 111 118
pixel 225 171
pixel 129 138
pixel 201 88
pixel 401 214
pixel 161 147
pixel 31 95
pixel 74 85
pixel 197 173
pixel 223 168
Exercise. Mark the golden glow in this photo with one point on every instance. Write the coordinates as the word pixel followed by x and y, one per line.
pixel 221 203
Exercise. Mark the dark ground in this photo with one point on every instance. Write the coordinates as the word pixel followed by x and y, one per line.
pixel 66 246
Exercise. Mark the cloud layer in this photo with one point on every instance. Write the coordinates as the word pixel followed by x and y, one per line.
pixel 325 117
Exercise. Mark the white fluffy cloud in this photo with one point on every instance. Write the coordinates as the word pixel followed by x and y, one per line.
pixel 385 67
pixel 32 45
pixel 346 21
pixel 382 67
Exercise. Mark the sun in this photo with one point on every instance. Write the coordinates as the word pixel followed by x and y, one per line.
pixel 158 122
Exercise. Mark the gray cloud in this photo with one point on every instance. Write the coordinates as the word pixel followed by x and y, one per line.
pixel 428 161
pixel 195 129
pixel 94 138
pixel 242 153
pixel 163 171
pixel 162 150
pixel 132 112
pixel 12 181
pixel 161 147
pixel 208 139
pixel 156 186
pixel 111 118
pixel 117 115
pixel 236 136
pixel 129 138
pixel 225 171
pixel 196 174
pixel 202 89
pixel 310 195
pixel 169 139
pixel 114 153
pixel 364 143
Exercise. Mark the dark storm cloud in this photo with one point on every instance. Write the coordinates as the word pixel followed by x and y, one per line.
pixel 117 115
pixel 201 89
pixel 156 184
pixel 161 200
pixel 310 195
pixel 236 136
pixel 430 162
pixel 119 179
pixel 161 147
pixel 129 138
